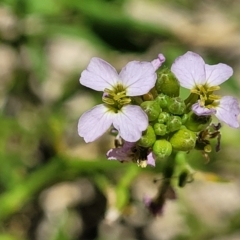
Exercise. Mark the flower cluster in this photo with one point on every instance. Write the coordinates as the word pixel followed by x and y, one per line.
pixel 142 105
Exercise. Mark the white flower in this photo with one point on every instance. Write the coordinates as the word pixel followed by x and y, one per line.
pixel 135 79
pixel 203 79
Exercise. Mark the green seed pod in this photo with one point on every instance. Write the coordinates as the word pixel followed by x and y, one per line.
pixel 197 123
pixel 163 117
pixel 162 148
pixel 160 129
pixel 176 106
pixel 162 99
pixel 148 138
pixel 174 123
pixel 183 140
pixel 152 109
pixel 167 83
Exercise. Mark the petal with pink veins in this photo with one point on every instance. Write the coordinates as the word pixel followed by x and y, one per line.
pixel 130 121
pixel 189 69
pixel 95 122
pixel 217 74
pixel 228 111
pixel 99 75
pixel 138 78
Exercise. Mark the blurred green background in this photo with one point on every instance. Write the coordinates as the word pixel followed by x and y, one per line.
pixel 54 186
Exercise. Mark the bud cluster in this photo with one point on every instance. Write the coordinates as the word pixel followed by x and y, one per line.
pixel 171 126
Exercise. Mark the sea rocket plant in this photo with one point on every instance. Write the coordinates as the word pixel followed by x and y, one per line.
pixel 153 124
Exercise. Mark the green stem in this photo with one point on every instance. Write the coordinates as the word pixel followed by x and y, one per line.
pixel 168 172
pixel 191 99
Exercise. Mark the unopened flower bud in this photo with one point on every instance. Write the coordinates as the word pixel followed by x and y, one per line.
pixel 183 140
pixel 148 97
pixel 162 99
pixel 167 83
pixel 174 123
pixel 160 129
pixel 163 117
pixel 176 106
pixel 157 63
pixel 184 118
pixel 162 148
pixel 152 109
pixel 148 138
pixel 197 123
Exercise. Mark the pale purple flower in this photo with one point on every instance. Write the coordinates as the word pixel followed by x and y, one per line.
pixel 131 152
pixel 135 79
pixel 202 79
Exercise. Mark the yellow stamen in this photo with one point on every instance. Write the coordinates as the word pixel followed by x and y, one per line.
pixel 206 95
pixel 116 98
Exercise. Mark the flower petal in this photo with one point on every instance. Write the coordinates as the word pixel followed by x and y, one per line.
pixel 93 123
pixel 228 111
pixel 201 111
pixel 130 122
pixel 217 74
pixel 99 75
pixel 189 69
pixel 138 77
pixel 157 63
pixel 122 154
pixel 151 159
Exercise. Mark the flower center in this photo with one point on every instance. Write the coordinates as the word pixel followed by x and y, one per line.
pixel 116 98
pixel 206 95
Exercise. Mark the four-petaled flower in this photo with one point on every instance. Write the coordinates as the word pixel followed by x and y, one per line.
pixel 203 79
pixel 135 79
